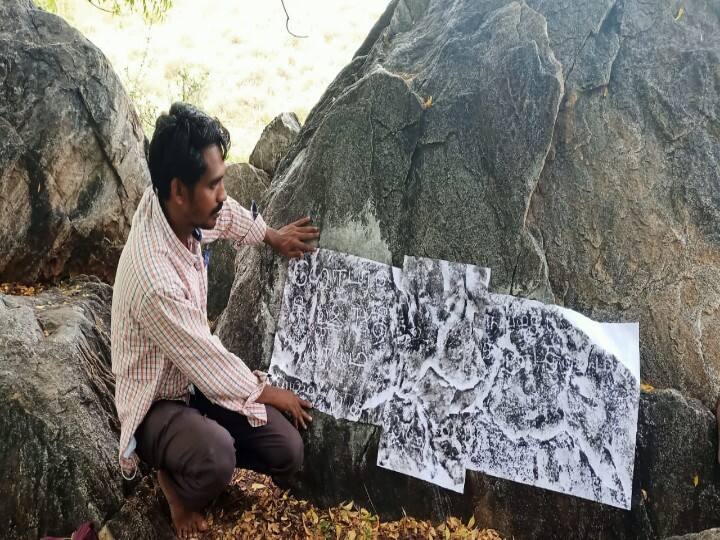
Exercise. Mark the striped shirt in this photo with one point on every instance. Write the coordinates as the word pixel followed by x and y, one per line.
pixel 160 338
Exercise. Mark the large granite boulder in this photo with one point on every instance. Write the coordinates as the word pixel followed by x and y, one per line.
pixel 710 534
pixel 72 161
pixel 677 476
pixel 572 147
pixel 627 207
pixel 58 453
pixel 373 168
pixel 58 450
pixel 676 485
pixel 244 183
pixel 275 140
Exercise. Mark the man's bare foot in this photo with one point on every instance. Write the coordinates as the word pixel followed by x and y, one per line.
pixel 186 522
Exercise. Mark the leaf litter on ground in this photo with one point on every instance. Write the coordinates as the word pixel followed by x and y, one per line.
pixel 254 507
pixel 16 289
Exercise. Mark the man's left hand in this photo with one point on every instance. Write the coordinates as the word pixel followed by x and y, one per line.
pixel 292 239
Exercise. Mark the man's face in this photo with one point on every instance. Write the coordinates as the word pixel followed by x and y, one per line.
pixel 209 194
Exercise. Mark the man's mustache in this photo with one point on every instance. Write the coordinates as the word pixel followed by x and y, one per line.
pixel 218 208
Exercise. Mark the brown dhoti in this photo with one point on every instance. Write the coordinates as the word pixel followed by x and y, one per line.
pixel 200 444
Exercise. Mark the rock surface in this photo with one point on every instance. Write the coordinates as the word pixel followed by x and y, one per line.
pixel 584 178
pixel 676 444
pixel 552 143
pixel 244 183
pixel 627 208
pixel 144 516
pixel 275 140
pixel 676 463
pixel 72 161
pixel 710 534
pixel 58 451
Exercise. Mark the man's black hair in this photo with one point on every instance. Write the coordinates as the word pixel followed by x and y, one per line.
pixel 177 144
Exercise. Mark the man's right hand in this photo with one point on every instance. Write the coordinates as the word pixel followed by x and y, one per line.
pixel 287 402
pixel 293 239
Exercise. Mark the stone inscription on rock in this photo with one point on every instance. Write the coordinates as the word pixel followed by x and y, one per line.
pixel 460 378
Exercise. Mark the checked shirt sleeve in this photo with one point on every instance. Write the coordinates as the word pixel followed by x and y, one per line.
pixel 179 329
pixel 236 223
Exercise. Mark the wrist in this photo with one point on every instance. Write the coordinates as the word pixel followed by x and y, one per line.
pixel 271 236
pixel 267 396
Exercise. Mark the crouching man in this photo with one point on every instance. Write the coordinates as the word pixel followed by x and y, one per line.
pixel 188 407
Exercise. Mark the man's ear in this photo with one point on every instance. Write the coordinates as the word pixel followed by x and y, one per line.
pixel 178 191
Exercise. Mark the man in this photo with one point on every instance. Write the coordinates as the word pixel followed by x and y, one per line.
pixel 188 407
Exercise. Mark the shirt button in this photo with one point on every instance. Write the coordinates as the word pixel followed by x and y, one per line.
pixel 198 265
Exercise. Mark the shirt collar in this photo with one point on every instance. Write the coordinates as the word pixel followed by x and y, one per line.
pixel 173 242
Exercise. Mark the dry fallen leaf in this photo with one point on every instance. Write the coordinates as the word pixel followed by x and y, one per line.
pixel 253 507
pixel 15 289
pixel 680 13
pixel 696 480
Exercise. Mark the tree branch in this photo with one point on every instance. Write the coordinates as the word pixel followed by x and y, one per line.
pixel 287 21
pixel 93 4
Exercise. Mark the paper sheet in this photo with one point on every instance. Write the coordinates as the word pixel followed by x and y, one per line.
pixel 460 378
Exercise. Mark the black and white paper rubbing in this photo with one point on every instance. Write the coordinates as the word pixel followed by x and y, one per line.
pixel 547 407
pixel 438 355
pixel 334 343
pixel 460 378
pixel 561 410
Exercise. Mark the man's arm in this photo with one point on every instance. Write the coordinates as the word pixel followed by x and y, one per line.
pixel 181 332
pixel 237 223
